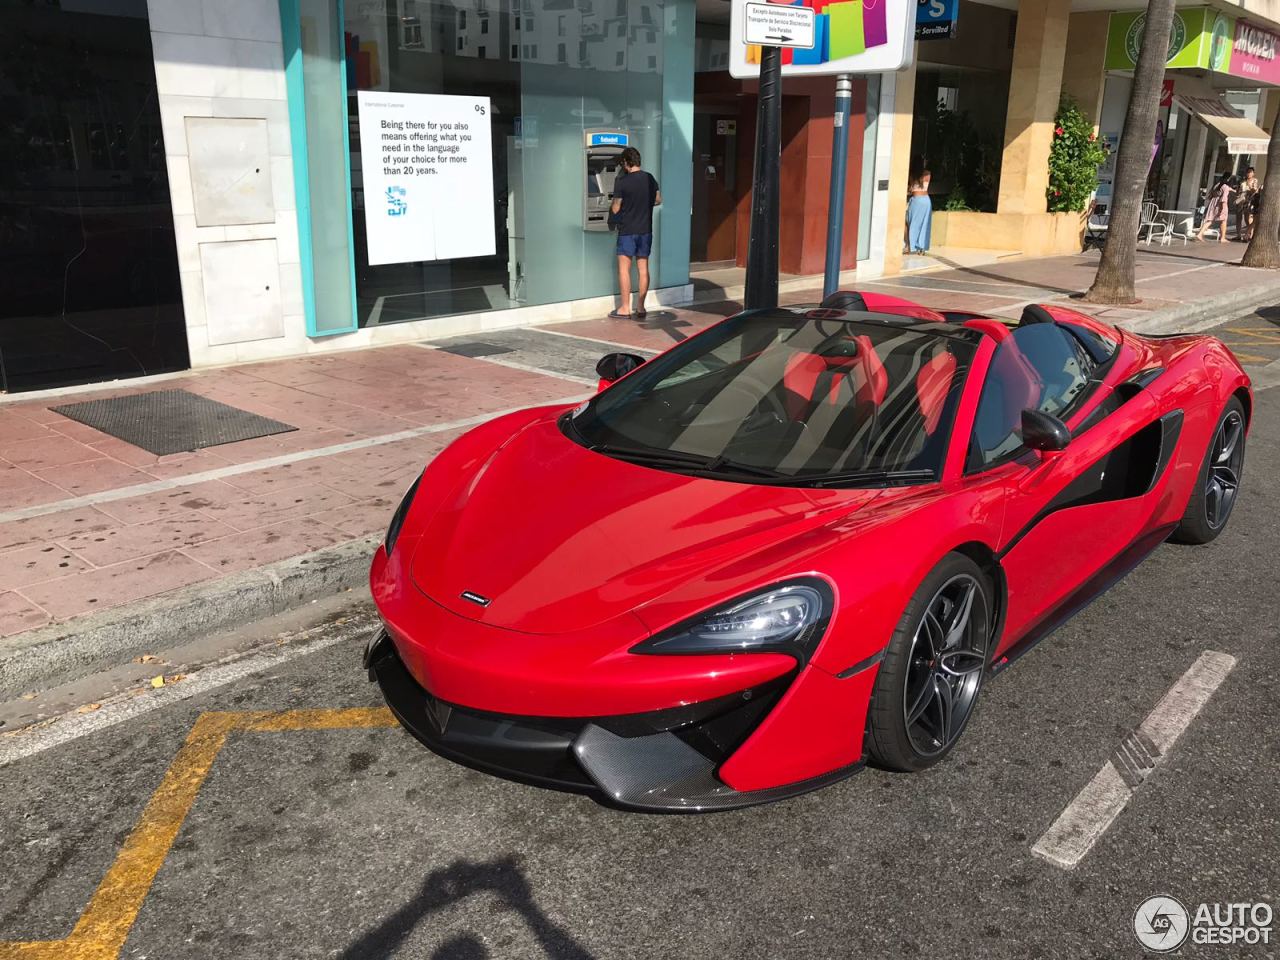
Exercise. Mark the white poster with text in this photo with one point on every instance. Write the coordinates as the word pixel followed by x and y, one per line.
pixel 427 164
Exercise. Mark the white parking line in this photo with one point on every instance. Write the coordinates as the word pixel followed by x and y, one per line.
pixel 524 367
pixel 1096 807
pixel 71 726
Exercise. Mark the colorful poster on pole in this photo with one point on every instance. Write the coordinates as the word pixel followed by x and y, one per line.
pixel 426 162
pixel 849 36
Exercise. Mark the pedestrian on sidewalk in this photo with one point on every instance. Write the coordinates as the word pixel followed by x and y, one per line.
pixel 635 194
pixel 919 214
pixel 1218 207
pixel 1246 203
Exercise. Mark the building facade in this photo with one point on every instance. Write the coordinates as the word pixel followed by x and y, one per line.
pixel 984 101
pixel 190 183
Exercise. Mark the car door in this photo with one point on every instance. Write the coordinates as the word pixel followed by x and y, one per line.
pixel 1068 514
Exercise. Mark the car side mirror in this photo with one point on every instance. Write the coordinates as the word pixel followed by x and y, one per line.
pixel 1044 432
pixel 615 366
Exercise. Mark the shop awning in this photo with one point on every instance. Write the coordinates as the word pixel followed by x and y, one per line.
pixel 1243 136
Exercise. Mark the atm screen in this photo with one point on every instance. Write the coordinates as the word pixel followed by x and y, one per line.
pixel 593 184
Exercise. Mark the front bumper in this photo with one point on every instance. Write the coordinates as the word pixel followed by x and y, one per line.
pixel 664 760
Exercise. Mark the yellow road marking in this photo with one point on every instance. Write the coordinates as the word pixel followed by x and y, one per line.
pixel 1264 336
pixel 105 924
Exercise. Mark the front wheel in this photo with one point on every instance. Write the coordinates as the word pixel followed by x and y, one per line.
pixel 1218 482
pixel 933 668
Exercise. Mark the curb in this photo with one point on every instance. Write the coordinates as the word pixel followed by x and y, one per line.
pixel 1200 314
pixel 68 651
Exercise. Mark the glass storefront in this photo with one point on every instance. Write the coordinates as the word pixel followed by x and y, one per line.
pixel 546 76
pixel 89 285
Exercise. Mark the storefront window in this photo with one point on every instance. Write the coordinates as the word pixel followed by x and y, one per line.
pixel 501 99
pixel 89 284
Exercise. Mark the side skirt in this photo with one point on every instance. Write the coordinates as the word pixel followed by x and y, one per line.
pixel 1085 594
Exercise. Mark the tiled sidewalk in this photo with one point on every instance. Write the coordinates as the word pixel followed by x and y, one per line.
pixel 1167 278
pixel 88 522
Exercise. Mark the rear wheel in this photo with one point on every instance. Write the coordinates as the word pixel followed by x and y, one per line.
pixel 1218 482
pixel 933 669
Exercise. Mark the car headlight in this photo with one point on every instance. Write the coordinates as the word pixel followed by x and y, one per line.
pixel 787 618
pixel 397 518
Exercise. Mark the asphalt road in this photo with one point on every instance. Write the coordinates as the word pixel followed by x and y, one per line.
pixel 321 831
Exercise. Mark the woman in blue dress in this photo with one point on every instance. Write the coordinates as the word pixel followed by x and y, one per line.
pixel 919 214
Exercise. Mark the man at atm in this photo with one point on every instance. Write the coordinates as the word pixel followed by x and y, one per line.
pixel 635 194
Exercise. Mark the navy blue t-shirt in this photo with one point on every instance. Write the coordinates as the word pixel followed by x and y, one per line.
pixel 638 192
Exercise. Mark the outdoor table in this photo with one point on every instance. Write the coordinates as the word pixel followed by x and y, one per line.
pixel 1171 217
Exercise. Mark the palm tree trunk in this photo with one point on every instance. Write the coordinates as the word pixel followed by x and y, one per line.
pixel 1114 282
pixel 1264 248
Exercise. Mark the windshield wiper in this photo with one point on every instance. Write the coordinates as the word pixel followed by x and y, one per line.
pixel 865 478
pixel 677 458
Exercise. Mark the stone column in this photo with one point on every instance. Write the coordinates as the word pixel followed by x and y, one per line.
pixel 1083 73
pixel 1192 163
pixel 899 121
pixel 1034 85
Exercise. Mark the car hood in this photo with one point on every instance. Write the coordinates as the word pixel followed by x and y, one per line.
pixel 558 538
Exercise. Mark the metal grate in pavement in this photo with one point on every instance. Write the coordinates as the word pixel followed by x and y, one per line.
pixel 476 348
pixel 171 421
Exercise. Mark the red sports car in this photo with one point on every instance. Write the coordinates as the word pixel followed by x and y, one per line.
pixel 797 541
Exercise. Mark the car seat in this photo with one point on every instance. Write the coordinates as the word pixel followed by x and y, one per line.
pixel 810 379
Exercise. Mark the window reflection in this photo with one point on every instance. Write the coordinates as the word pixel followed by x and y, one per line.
pixel 88 270
pixel 552 69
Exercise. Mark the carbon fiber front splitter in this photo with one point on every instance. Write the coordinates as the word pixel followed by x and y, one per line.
pixel 641 761
pixel 663 773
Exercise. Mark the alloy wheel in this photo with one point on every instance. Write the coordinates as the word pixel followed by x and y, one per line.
pixel 1226 457
pixel 945 663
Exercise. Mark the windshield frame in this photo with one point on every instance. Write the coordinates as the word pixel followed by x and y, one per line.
pixel 584 426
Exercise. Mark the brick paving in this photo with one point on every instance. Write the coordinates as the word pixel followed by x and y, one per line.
pixel 88 522
pixel 74 558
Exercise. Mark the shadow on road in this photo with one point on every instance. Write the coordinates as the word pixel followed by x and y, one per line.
pixel 1003 278
pixel 1269 314
pixel 447 886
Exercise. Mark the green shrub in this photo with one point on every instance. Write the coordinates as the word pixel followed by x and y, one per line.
pixel 1074 160
pixel 956 199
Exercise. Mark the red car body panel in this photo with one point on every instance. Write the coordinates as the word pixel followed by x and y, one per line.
pixel 586 556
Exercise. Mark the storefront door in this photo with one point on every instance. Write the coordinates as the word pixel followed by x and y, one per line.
pixel 715 188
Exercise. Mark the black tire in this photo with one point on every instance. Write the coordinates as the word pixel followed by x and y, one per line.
pixel 913 668
pixel 1211 502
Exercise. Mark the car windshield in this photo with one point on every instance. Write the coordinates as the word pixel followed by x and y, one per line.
pixel 789 397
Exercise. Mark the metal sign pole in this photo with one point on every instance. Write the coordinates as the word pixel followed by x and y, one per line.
pixel 762 249
pixel 835 207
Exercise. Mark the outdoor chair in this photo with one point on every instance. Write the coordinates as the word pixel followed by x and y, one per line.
pixel 1149 222
pixel 1095 229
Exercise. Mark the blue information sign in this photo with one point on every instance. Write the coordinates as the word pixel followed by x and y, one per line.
pixel 609 140
pixel 936 19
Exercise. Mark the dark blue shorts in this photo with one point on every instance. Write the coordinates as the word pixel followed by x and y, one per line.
pixel 635 245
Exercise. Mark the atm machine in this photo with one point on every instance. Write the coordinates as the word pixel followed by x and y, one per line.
pixel 601 165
